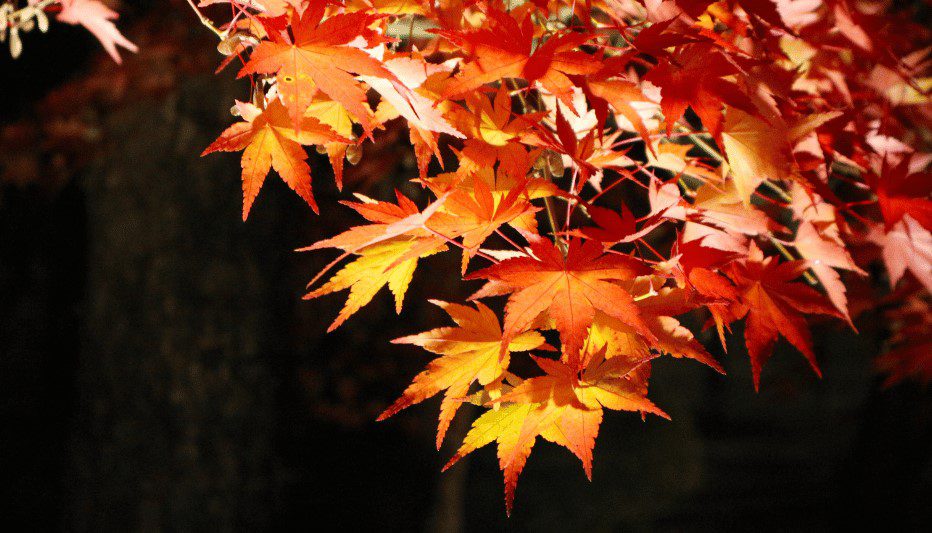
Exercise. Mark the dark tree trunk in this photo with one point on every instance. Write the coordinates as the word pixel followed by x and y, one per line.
pixel 176 393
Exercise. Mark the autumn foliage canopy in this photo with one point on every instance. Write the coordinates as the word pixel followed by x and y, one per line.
pixel 605 169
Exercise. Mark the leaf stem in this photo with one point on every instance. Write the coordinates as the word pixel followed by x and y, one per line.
pixel 784 251
pixel 548 204
pixel 206 21
pixel 515 245
pixel 454 242
pixel 552 219
pixel 778 191
pixel 705 147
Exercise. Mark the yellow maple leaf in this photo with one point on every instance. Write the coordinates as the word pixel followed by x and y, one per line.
pixel 383 263
pixel 470 354
pixel 756 151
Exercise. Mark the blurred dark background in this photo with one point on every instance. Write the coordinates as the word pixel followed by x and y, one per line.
pixel 159 371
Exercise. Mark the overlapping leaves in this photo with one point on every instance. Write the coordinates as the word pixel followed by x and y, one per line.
pixel 614 168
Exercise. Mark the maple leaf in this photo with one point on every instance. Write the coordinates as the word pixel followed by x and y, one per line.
pixel 659 36
pixel 673 157
pixel 96 17
pixel 389 221
pixel 717 218
pixel 695 77
pixel 506 425
pixel 756 151
pixel 901 192
pixel 911 353
pixel 566 396
pixel 320 57
pixel 913 360
pixel 722 205
pixel 378 265
pixel 908 245
pixel 561 408
pixel 388 253
pixel 766 10
pixel 620 94
pixel 269 140
pixel 417 103
pixel 588 154
pixel 773 306
pixel 570 288
pixel 678 341
pixel 613 228
pixel 656 307
pixel 502 48
pixel 481 203
pixel 490 120
pixel 475 214
pixel 824 254
pixel 419 110
pixel 614 383
pixel 492 135
pixel 697 269
pixel 470 354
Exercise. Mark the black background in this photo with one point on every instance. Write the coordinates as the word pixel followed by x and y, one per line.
pixel 804 453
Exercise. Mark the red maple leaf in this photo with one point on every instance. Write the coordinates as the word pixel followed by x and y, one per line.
pixel 773 305
pixel 695 77
pixel 900 191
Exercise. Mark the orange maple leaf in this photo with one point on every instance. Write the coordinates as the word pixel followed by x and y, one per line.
pixel 319 56
pixel 589 154
pixel 269 140
pixel 620 93
pixel 503 49
pixel 388 253
pixel 476 212
pixel 492 135
pixel 562 408
pixel 657 309
pixel 470 354
pixel 570 288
